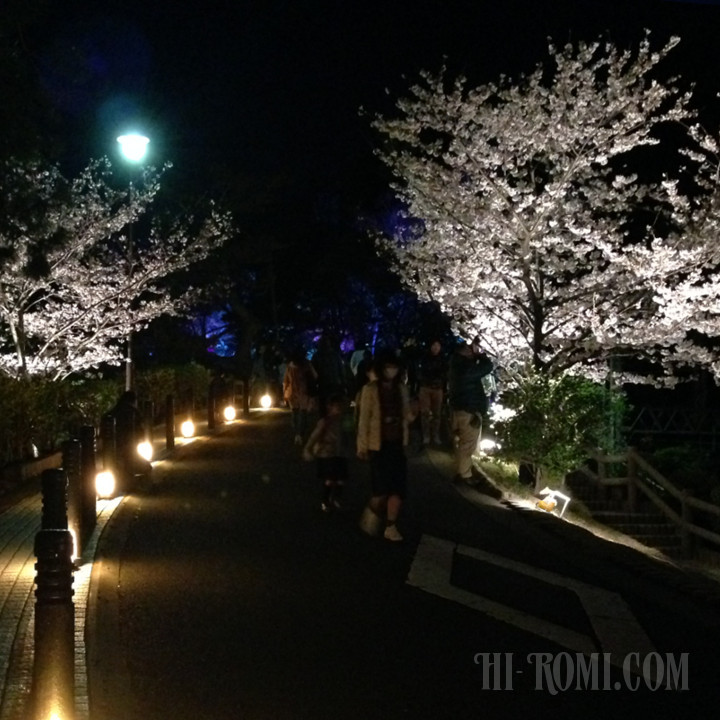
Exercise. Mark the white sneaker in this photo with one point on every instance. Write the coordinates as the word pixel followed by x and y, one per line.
pixel 391 533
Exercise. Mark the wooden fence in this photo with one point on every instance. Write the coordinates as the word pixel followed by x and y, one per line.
pixel 641 477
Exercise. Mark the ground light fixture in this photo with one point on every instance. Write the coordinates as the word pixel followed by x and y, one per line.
pixel 265 402
pixel 229 413
pixel 105 484
pixel 187 429
pixel 549 500
pixel 145 450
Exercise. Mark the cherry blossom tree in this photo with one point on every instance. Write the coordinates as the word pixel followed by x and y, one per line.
pixel 70 290
pixel 548 213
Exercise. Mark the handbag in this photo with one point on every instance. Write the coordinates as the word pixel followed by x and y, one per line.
pixel 371 523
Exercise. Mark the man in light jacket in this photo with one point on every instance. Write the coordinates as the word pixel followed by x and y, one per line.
pixel 468 402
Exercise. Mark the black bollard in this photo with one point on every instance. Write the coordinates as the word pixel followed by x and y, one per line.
pixel 72 464
pixel 54 499
pixel 89 470
pixel 53 679
pixel 125 449
pixel 108 442
pixel 169 422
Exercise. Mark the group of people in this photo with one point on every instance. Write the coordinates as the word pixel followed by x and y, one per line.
pixel 385 406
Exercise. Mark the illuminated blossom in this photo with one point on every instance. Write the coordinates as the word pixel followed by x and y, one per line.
pixel 535 232
pixel 68 296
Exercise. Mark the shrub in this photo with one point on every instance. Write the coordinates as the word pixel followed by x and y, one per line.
pixel 38 414
pixel 550 422
pixel 192 382
pixel 154 386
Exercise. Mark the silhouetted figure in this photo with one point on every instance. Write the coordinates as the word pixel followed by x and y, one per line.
pixel 298 386
pixel 432 379
pixel 327 444
pixel 330 368
pixel 469 365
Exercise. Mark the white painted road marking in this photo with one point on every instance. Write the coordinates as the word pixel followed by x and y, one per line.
pixel 616 628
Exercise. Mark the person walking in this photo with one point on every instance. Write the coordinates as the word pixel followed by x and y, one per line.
pixel 297 381
pixel 432 383
pixel 362 371
pixel 381 438
pixel 327 444
pixel 330 369
pixel 469 365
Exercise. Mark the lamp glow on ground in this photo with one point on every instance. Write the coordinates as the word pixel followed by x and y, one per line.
pixel 105 484
pixel 229 413
pixel 75 545
pixel 187 429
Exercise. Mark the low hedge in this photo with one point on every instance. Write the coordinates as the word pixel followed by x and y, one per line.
pixel 37 414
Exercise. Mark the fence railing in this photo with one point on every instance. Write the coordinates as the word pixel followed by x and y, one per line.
pixel 642 478
pixel 700 426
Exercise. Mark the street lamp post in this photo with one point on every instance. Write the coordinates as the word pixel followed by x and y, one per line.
pixel 133 147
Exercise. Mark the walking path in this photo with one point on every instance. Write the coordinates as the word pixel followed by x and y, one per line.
pixel 20 522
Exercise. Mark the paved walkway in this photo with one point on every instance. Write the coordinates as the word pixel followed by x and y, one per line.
pixel 20 523
pixel 18 526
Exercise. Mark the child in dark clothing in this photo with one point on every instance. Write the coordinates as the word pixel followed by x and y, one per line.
pixel 328 446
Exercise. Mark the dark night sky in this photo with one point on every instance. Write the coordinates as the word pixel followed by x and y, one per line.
pixel 267 92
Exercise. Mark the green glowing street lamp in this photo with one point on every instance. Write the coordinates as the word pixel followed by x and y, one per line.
pixel 133 147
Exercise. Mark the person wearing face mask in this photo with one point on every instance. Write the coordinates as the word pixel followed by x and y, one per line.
pixel 469 365
pixel 382 436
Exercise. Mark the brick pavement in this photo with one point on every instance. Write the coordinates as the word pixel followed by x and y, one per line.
pixel 18 526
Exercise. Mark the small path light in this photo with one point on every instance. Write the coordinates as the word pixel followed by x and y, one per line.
pixel 549 500
pixel 265 402
pixel 229 413
pixel 187 429
pixel 145 450
pixel 105 484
